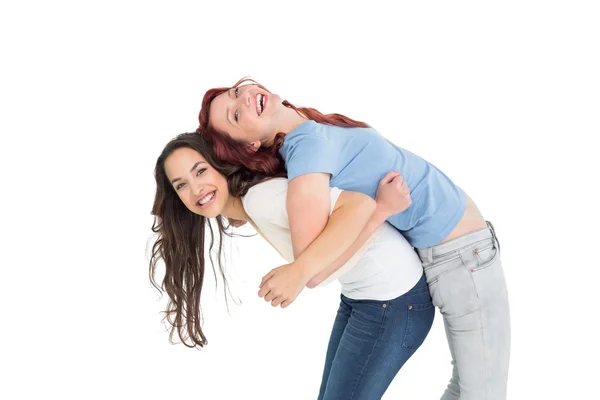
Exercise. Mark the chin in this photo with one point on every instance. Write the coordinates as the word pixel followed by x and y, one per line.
pixel 207 214
pixel 214 212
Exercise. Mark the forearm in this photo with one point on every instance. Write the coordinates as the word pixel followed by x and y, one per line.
pixel 346 224
pixel 376 220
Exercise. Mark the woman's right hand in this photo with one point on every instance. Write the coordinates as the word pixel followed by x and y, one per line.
pixel 393 195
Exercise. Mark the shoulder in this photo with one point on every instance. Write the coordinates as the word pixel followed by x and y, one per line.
pixel 306 134
pixel 266 200
pixel 265 191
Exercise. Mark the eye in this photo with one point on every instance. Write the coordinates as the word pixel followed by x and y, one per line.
pixel 200 171
pixel 179 186
pixel 235 115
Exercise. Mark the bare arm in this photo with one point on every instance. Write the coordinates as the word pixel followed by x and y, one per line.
pixel 339 238
pixel 308 203
pixel 376 220
pixel 392 198
pixel 283 284
pixel 308 210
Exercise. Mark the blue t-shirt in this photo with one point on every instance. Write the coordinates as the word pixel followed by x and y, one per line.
pixel 358 158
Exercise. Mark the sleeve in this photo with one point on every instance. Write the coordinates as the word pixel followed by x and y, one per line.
pixel 334 196
pixel 307 153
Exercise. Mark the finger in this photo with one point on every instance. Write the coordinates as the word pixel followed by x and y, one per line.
pixel 277 301
pixel 267 277
pixel 404 189
pixel 270 296
pixel 398 180
pixel 286 303
pixel 389 177
pixel 263 291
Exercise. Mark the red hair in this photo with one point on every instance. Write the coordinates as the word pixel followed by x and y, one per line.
pixel 266 159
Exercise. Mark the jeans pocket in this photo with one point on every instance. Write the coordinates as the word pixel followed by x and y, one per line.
pixel 485 257
pixel 479 256
pixel 418 323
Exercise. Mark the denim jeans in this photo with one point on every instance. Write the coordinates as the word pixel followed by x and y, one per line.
pixel 371 340
pixel 467 284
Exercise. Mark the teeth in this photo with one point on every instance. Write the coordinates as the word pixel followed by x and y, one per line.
pixel 259 103
pixel 206 199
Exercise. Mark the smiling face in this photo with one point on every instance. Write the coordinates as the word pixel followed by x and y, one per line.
pixel 200 187
pixel 248 114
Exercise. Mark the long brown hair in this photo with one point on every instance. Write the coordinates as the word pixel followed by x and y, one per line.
pixel 267 159
pixel 180 239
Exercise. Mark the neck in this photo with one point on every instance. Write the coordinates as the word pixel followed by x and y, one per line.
pixel 234 209
pixel 290 120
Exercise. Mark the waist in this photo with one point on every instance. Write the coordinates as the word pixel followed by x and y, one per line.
pixel 432 220
pixel 471 221
pixel 458 243
pixel 388 269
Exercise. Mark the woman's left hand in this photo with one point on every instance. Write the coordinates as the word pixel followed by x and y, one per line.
pixel 283 284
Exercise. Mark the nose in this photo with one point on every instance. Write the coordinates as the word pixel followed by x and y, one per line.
pixel 197 188
pixel 245 98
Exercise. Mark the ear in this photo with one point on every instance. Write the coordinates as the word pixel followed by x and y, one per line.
pixel 254 146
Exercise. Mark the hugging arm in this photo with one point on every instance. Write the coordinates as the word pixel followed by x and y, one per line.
pixel 354 219
pixel 392 197
pixel 341 238
pixel 317 238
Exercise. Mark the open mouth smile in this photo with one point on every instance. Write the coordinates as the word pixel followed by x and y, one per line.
pixel 261 103
pixel 207 200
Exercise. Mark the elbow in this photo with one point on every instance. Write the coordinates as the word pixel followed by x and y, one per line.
pixel 359 205
pixel 366 205
pixel 370 204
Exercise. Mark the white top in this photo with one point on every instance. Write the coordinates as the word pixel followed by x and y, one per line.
pixel 384 268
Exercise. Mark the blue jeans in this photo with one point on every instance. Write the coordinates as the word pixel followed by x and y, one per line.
pixel 371 340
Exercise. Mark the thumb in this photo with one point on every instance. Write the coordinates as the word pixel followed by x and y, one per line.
pixel 389 177
pixel 398 180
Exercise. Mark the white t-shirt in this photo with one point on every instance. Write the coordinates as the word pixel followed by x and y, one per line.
pixel 384 268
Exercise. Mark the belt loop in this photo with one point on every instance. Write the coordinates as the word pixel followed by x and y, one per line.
pixel 430 255
pixel 491 226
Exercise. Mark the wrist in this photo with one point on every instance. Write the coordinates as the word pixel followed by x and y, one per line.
pixel 380 214
pixel 302 267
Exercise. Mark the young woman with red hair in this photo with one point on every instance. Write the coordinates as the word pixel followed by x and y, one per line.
pixel 249 125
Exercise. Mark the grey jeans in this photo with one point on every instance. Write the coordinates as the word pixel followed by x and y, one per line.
pixel 467 284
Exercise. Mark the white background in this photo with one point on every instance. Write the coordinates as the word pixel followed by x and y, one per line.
pixel 503 97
